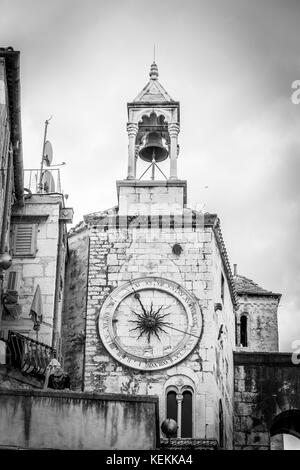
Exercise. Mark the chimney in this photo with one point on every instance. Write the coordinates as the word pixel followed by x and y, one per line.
pixel 235 269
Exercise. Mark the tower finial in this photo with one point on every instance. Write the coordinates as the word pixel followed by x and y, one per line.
pixel 153 71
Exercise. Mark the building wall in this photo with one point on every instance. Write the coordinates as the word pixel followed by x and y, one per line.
pixel 152 197
pixel 6 164
pixel 74 312
pixel 41 269
pixel 261 312
pixel 116 256
pixel 266 385
pixel 73 421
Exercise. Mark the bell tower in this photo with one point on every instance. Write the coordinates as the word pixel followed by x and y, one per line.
pixel 153 127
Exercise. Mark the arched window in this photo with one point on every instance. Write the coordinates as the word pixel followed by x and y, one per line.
pixel 180 408
pixel 243 331
pixel 221 425
pixel 187 414
pixel 172 405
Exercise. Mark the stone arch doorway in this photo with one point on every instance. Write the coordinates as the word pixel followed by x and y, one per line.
pixel 287 422
pixel 285 425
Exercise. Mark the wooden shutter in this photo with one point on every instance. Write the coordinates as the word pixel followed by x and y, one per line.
pixel 12 280
pixel 24 240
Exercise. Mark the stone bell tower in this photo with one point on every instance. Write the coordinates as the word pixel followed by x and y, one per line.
pixel 156 291
pixel 153 127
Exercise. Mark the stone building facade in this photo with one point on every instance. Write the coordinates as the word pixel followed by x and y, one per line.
pixel 38 248
pixel 135 257
pixel 257 323
pixel 33 248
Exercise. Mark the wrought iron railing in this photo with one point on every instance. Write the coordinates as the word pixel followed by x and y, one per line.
pixel 31 356
pixel 49 183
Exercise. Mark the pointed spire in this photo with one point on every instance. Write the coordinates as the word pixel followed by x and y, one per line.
pixel 153 71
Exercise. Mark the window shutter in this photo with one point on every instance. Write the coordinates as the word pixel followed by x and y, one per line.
pixel 24 240
pixel 12 280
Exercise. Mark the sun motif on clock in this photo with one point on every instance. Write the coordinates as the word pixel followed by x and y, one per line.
pixel 150 323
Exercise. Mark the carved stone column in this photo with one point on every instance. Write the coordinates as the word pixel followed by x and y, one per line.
pixel 173 131
pixel 179 399
pixel 132 130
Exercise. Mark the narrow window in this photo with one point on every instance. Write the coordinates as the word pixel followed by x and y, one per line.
pixel 187 415
pixel 222 287
pixel 180 408
pixel 243 331
pixel 221 425
pixel 172 405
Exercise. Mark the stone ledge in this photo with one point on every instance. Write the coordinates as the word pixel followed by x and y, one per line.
pixel 263 358
pixel 154 184
pixel 82 395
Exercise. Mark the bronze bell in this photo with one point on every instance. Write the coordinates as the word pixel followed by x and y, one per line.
pixel 153 148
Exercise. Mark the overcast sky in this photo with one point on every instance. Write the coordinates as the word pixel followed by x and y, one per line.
pixel 231 65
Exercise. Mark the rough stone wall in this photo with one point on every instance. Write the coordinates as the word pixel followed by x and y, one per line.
pixel 74 311
pixel 40 269
pixel 117 256
pixel 261 312
pixel 265 386
pixel 224 343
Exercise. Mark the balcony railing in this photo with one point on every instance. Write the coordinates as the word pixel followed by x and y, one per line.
pixel 28 355
pixel 49 183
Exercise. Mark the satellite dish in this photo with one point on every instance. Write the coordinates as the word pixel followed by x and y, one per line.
pixel 48 153
pixel 48 182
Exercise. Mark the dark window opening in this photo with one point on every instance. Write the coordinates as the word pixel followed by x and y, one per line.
pixel 221 425
pixel 187 414
pixel 244 338
pixel 172 406
pixel 222 287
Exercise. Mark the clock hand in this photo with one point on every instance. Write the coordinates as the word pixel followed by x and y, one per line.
pixel 138 297
pixel 181 331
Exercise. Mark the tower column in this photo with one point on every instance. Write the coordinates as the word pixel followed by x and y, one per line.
pixel 132 130
pixel 179 399
pixel 173 131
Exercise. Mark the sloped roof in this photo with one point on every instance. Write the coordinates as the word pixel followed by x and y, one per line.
pixel 243 285
pixel 153 92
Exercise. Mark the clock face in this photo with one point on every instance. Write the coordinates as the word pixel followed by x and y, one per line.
pixel 150 323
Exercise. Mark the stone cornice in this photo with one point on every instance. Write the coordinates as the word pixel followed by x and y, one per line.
pixel 259 294
pixel 263 359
